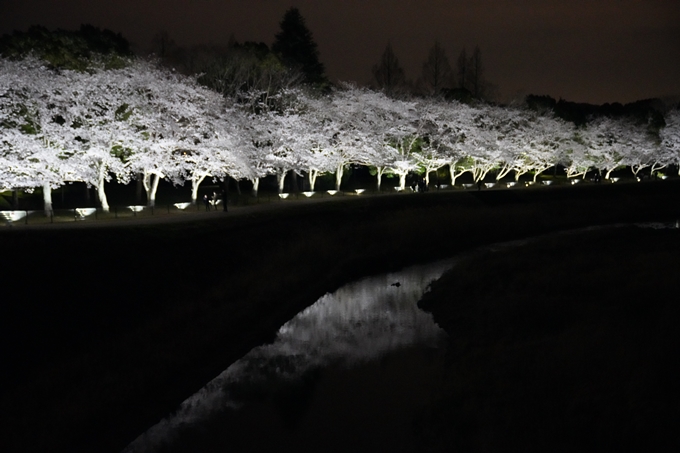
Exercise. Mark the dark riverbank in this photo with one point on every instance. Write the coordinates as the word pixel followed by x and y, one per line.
pixel 108 329
pixel 567 343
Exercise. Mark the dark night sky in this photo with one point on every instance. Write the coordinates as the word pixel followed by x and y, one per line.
pixel 582 50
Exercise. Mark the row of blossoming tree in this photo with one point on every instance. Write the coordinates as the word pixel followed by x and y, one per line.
pixel 144 121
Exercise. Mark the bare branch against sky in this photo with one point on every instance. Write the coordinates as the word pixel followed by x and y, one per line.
pixel 582 50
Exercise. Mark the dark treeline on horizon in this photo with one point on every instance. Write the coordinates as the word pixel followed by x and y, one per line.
pixel 293 60
pixel 68 49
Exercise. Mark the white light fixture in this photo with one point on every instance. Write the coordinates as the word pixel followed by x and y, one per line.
pixel 332 192
pixel 510 184
pixel 182 206
pixel 136 208
pixel 360 191
pixel 284 195
pixel 489 185
pixel 575 181
pixel 13 216
pixel 84 212
pixel 307 194
pixel 546 183
pixel 468 186
pixel 398 189
pixel 615 180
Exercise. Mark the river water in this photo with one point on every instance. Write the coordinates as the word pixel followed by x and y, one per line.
pixel 351 372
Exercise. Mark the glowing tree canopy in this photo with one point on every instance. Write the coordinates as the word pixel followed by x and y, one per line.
pixel 60 126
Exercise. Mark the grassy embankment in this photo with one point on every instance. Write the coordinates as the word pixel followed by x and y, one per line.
pixel 107 329
pixel 569 343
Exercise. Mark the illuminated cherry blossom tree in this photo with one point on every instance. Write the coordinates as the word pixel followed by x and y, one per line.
pixel 188 132
pixel 37 140
pixel 543 144
pixel 362 119
pixel 92 126
pixel 670 138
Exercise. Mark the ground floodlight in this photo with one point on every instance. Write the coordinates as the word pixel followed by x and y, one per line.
pixel 443 186
pixel 575 181
pixel 332 192
pixel 398 189
pixel 489 185
pixel 307 194
pixel 510 184
pixel 615 180
pixel 182 206
pixel 468 186
pixel 663 177
pixel 136 208
pixel 547 183
pixel 84 212
pixel 284 195
pixel 360 191
pixel 13 216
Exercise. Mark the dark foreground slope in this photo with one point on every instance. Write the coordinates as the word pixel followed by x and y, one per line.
pixel 105 330
pixel 569 343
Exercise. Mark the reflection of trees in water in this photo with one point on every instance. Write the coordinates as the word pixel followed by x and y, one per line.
pixel 359 322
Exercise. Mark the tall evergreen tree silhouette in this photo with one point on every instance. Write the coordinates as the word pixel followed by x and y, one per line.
pixel 389 75
pixel 296 47
pixel 437 73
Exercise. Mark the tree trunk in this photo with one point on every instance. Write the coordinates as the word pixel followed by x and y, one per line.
pixel 312 178
pixel 195 182
pixel 146 183
pixel 338 176
pixel 281 179
pixel 15 199
pixel 47 199
pixel 656 167
pixel 151 199
pixel 503 172
pixel 476 175
pixel 100 189
pixel 454 175
pixel 256 186
pixel 379 176
pixel 402 181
